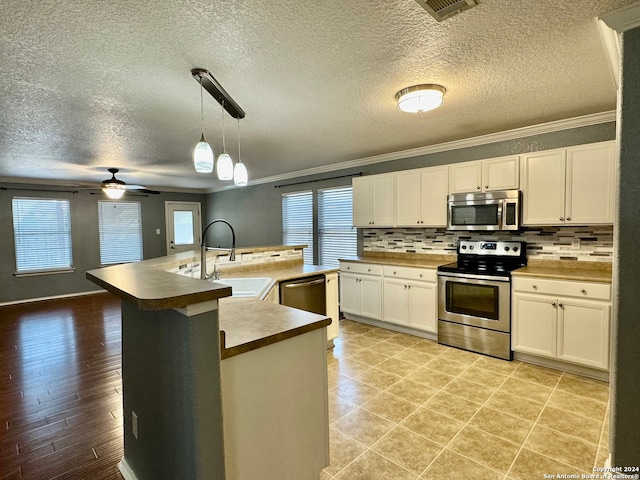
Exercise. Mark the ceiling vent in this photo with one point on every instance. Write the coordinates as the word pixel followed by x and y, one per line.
pixel 443 9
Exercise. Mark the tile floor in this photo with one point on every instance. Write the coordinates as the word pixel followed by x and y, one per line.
pixel 402 407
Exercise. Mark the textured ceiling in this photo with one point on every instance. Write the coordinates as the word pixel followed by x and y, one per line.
pixel 89 85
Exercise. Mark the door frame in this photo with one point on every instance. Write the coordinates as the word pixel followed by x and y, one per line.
pixel 197 233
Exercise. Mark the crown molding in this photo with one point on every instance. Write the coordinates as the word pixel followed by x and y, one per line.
pixel 516 133
pixel 623 19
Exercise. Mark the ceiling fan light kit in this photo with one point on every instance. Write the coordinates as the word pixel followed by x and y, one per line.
pixel 420 98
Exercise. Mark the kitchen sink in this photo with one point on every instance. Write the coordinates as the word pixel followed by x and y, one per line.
pixel 247 287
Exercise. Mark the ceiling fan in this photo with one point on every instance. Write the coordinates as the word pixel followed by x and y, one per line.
pixel 115 188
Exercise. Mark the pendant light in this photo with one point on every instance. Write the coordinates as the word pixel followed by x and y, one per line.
pixel 225 164
pixel 202 154
pixel 240 175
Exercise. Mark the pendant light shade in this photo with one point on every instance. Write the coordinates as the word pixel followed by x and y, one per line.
pixel 240 174
pixel 420 98
pixel 225 164
pixel 203 153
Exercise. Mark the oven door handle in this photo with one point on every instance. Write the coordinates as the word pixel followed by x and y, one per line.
pixel 474 277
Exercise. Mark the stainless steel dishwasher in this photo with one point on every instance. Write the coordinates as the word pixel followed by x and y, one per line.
pixel 306 293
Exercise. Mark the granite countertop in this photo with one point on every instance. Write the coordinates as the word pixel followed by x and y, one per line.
pixel 279 273
pixel 566 270
pixel 408 260
pixel 248 324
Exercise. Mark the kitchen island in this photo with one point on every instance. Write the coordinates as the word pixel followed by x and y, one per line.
pixel 190 414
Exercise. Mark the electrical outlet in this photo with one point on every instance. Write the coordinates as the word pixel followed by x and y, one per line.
pixel 157 231
pixel 134 424
pixel 575 243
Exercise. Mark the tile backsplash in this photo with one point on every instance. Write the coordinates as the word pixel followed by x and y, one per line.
pixel 590 244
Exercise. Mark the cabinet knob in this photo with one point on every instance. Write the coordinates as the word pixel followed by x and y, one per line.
pixel 405 287
pixel 554 304
pixel 368 269
pixel 535 287
pixel 420 275
pixel 348 268
pixel 409 287
pixel 394 272
pixel 561 305
pixel 562 219
pixel 478 187
pixel 486 186
pixel 584 291
pixel 568 219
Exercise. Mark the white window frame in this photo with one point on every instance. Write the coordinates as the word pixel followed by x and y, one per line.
pixel 42 235
pixel 120 232
pixel 297 221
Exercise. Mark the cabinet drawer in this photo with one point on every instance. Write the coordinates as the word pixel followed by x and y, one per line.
pixel 592 291
pixel 410 273
pixel 365 268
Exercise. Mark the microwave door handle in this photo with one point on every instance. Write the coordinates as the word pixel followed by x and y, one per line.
pixel 500 216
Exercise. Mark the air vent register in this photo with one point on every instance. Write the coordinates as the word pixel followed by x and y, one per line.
pixel 443 9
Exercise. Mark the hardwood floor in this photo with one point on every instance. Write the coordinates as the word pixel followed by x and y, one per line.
pixel 60 389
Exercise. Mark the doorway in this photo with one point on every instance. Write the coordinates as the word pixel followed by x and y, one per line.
pixel 183 226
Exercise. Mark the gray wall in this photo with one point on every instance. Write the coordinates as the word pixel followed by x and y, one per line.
pixel 255 211
pixel 625 416
pixel 84 230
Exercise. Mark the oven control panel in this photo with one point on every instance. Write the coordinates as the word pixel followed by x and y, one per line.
pixel 497 248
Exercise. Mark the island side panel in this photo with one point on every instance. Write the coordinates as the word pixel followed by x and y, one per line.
pixel 171 380
pixel 276 416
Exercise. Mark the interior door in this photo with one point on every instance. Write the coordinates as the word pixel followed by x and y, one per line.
pixel 183 226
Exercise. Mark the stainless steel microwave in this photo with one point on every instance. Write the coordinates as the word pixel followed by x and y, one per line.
pixel 492 211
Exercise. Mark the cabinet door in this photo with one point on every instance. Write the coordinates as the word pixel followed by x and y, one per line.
pixel 465 177
pixel 331 287
pixel 408 212
pixel 371 297
pixel 423 310
pixel 583 332
pixel 396 305
pixel 349 293
pixel 534 324
pixel 362 206
pixel 543 184
pixel 590 184
pixel 501 173
pixel 433 196
pixel 383 200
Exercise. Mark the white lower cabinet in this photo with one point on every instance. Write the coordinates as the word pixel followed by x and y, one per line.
pixel 409 297
pixel 572 327
pixel 361 289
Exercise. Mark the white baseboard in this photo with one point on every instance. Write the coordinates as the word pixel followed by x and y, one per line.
pixel 54 297
pixel 126 471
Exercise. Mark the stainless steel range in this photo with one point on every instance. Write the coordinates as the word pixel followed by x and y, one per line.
pixel 474 296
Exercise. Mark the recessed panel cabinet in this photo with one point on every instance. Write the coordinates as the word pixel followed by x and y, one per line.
pixel 501 173
pixel 361 289
pixel 409 297
pixel 569 186
pixel 568 321
pixel 374 201
pixel 421 197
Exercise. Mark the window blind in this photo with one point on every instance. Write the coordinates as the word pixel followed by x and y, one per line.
pixel 336 236
pixel 120 231
pixel 297 222
pixel 42 234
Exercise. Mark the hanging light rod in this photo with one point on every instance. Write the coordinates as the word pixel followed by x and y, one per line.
pixel 212 86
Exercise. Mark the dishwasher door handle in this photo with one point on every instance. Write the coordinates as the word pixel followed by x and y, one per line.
pixel 304 284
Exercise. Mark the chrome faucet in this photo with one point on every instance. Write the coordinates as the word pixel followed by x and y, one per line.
pixel 203 251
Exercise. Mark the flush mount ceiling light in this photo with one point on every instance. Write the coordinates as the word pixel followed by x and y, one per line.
pixel 420 98
pixel 203 153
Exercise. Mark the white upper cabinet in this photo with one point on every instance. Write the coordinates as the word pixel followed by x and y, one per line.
pixel 374 201
pixel 569 186
pixel 501 173
pixel 421 197
pixel 590 184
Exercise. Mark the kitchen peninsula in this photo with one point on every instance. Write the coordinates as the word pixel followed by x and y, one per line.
pixel 193 410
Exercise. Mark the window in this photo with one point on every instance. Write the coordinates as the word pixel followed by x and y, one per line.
pixel 297 222
pixel 42 234
pixel 337 238
pixel 120 230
